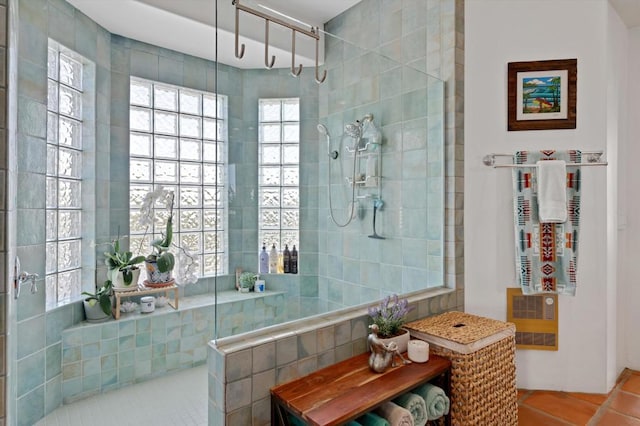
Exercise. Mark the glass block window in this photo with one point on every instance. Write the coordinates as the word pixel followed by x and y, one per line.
pixel 178 140
pixel 279 171
pixel 63 213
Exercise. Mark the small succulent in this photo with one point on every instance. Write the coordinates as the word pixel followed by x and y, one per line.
pixel 247 279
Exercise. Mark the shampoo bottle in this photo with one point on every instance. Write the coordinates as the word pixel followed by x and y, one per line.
pixel 273 260
pixel 263 267
pixel 286 260
pixel 294 260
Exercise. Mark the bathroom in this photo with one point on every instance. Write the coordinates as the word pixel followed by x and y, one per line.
pixel 478 273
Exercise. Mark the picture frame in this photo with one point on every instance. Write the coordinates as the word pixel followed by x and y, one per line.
pixel 541 95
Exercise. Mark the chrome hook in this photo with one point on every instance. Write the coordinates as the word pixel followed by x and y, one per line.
pixel 239 52
pixel 294 72
pixel 266 47
pixel 324 75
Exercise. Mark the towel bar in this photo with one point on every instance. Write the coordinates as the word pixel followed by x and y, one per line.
pixel 593 158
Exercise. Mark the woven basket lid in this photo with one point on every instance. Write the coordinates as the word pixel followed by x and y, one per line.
pixel 460 327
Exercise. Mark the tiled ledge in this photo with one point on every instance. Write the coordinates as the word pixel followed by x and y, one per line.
pixel 242 368
pixel 115 353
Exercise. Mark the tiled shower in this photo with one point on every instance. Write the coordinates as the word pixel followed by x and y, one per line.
pixel 338 268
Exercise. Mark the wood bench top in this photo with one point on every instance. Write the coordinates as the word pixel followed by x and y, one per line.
pixel 346 390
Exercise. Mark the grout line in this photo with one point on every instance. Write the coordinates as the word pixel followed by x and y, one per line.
pixel 546 414
pixel 622 379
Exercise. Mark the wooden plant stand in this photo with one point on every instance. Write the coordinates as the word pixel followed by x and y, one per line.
pixel 143 291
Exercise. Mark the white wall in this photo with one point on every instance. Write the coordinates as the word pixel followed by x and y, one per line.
pixel 630 219
pixel 498 32
pixel 617 63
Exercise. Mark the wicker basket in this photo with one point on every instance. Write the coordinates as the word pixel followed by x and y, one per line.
pixel 482 354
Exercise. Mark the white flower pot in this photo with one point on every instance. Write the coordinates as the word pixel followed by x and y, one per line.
pixel 120 285
pixel 402 340
pixel 94 312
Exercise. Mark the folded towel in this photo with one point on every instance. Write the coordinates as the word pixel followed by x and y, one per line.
pixel 372 419
pixel 552 191
pixel 436 400
pixel 416 406
pixel 395 414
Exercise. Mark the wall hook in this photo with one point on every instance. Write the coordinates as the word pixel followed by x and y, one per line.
pixel 294 72
pixel 20 278
pixel 266 47
pixel 239 52
pixel 324 75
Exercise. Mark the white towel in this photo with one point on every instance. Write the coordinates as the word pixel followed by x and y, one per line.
pixel 552 193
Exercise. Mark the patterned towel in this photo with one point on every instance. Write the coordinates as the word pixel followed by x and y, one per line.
pixel 546 253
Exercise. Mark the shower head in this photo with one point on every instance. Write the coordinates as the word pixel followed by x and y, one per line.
pixel 353 129
pixel 324 131
pixel 366 118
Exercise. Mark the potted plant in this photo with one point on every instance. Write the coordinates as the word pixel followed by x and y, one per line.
pixel 161 261
pixel 389 316
pixel 123 270
pixel 247 281
pixel 97 306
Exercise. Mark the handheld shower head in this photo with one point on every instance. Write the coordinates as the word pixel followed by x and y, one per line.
pixel 324 131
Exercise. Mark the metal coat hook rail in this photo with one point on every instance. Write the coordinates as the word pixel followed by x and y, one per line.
pixel 592 158
pixel 313 32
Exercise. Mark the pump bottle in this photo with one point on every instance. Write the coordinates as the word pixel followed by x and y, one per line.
pixel 263 267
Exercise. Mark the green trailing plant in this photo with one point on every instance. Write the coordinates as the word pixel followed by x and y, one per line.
pixel 118 260
pixel 101 296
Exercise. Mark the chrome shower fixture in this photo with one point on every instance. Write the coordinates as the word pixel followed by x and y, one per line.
pixel 324 131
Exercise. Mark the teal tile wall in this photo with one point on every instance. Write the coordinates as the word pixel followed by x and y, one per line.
pixel 384 75
pixel 36 385
pixel 95 358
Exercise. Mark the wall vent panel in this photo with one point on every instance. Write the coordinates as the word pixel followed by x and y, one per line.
pixel 535 318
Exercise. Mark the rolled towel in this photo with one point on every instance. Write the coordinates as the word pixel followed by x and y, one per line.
pixel 372 419
pixel 294 421
pixel 436 400
pixel 395 414
pixel 416 406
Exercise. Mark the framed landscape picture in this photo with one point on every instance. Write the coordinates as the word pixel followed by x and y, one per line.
pixel 542 94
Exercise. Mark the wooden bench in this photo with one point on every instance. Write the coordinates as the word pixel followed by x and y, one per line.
pixel 345 391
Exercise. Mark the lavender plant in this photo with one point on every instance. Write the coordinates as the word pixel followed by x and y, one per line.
pixel 390 315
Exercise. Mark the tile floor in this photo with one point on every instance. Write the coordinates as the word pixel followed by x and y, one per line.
pixel 177 399
pixel 620 407
pixel 181 399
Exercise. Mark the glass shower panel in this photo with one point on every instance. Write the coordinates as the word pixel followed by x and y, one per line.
pixel 338 266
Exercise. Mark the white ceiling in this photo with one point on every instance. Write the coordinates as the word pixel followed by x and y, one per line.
pixel 189 26
pixel 629 11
